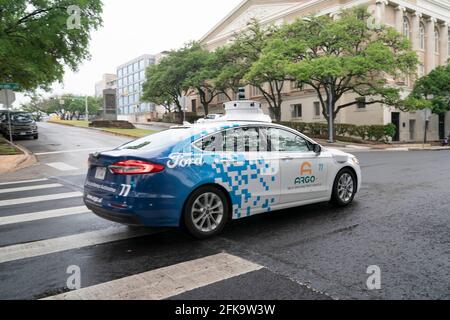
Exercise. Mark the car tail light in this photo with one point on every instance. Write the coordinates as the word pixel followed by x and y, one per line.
pixel 135 167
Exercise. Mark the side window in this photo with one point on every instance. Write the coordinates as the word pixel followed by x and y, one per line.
pixel 246 139
pixel 285 141
pixel 213 143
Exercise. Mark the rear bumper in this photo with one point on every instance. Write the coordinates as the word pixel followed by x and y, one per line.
pixel 141 211
pixel 126 219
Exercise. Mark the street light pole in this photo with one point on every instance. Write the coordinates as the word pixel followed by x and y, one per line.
pixel 9 115
pixel 87 108
pixel 330 115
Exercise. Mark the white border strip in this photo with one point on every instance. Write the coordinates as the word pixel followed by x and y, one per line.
pixel 44 247
pixel 166 282
pixel 27 217
pixel 57 196
pixel 25 181
pixel 30 188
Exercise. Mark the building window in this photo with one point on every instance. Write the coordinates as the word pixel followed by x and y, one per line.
pixel 317 109
pixel 436 41
pixel 256 92
pixel 422 36
pixel 421 72
pixel 361 102
pixel 141 64
pixel 222 97
pixel 295 85
pixel 119 73
pixel 297 110
pixel 194 105
pixel 406 28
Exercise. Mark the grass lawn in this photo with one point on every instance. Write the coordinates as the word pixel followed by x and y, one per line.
pixel 6 149
pixel 129 132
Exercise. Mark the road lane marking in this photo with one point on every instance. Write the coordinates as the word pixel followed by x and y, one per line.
pixel 44 247
pixel 72 151
pixel 61 166
pixel 27 217
pixel 19 182
pixel 166 282
pixel 57 196
pixel 30 188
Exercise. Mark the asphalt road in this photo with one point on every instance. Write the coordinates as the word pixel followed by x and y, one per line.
pixel 400 222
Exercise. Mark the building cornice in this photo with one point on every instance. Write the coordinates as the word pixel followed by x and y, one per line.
pixel 401 4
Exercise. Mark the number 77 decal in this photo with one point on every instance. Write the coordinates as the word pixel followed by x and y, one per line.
pixel 126 188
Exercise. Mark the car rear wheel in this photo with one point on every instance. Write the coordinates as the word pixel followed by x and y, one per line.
pixel 344 188
pixel 206 212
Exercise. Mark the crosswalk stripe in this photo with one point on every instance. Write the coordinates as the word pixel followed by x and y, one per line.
pixel 61 166
pixel 40 198
pixel 166 282
pixel 19 182
pixel 27 217
pixel 43 247
pixel 30 188
pixel 71 151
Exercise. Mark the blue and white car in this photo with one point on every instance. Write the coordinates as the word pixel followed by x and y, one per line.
pixel 201 176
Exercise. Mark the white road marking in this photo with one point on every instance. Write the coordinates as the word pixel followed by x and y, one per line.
pixel 40 248
pixel 61 166
pixel 27 217
pixel 19 182
pixel 72 151
pixel 166 282
pixel 39 187
pixel 57 196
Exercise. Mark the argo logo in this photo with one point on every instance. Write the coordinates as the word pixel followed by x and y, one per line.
pixel 306 173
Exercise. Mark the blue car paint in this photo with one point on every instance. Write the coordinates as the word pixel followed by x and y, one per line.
pixel 157 200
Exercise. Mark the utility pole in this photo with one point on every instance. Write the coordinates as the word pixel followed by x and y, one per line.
pixel 330 115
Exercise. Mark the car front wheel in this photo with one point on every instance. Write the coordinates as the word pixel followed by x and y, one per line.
pixel 344 188
pixel 206 212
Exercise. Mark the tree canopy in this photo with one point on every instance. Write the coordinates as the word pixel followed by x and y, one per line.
pixel 344 56
pixel 431 91
pixel 36 42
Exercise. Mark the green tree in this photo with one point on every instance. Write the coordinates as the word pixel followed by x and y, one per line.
pixel 165 81
pixel 344 56
pixel 202 70
pixel 244 65
pixel 36 43
pixel 431 91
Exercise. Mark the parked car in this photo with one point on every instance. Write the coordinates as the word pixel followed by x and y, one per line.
pixel 203 175
pixel 22 124
pixel 210 117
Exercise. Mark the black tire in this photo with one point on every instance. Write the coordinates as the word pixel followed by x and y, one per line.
pixel 338 199
pixel 36 136
pixel 188 214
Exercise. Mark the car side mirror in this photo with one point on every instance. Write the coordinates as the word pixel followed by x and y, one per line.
pixel 317 149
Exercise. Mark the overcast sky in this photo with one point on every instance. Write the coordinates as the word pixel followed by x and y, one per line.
pixel 135 27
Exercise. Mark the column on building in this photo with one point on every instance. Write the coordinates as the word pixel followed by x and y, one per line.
pixel 430 47
pixel 443 33
pixel 381 10
pixel 415 28
pixel 399 14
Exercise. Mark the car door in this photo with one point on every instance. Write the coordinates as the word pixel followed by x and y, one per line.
pixel 252 171
pixel 303 172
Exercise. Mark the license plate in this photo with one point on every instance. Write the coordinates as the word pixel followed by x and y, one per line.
pixel 100 173
pixel 23 133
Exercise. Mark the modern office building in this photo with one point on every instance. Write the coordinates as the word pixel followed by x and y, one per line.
pixel 130 79
pixel 424 22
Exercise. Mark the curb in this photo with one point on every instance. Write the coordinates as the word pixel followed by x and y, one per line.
pixel 95 129
pixel 28 159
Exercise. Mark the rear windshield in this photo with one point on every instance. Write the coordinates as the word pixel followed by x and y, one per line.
pixel 158 140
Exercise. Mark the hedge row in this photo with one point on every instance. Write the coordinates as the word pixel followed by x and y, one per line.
pixel 367 132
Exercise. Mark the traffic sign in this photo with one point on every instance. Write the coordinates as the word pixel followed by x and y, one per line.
pixel 10 86
pixel 7 97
